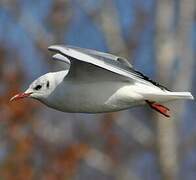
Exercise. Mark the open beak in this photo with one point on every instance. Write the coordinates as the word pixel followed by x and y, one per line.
pixel 20 96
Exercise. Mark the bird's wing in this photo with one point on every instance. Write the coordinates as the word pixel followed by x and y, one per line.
pixel 62 58
pixel 83 60
pixel 102 55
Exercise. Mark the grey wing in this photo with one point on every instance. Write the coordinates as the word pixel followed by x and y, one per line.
pixel 102 55
pixel 62 58
pixel 85 61
pixel 86 71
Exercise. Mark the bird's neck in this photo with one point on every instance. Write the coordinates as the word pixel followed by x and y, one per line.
pixel 59 76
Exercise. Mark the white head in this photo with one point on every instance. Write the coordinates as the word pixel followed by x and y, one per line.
pixel 42 87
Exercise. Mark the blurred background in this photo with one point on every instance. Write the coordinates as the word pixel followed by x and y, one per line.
pixel 158 37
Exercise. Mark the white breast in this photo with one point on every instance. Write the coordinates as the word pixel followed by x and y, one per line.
pixel 90 97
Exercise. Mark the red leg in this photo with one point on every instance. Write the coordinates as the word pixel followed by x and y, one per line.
pixel 159 108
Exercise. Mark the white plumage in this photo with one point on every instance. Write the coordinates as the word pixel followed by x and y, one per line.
pixel 95 82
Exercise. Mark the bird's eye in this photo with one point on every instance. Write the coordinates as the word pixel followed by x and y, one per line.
pixel 38 87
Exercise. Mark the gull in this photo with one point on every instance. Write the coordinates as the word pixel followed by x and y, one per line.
pixel 97 82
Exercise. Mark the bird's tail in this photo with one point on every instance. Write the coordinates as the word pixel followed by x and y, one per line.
pixel 153 100
pixel 168 96
pixel 179 95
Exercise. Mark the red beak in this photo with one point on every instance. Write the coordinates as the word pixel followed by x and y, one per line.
pixel 20 96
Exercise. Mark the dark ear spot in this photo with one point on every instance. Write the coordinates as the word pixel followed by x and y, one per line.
pixel 48 84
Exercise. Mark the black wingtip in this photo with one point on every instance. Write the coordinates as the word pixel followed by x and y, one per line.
pixel 152 81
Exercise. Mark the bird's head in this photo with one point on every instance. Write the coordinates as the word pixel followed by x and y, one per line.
pixel 39 89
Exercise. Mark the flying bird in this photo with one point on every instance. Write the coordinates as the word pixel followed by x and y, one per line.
pixel 97 82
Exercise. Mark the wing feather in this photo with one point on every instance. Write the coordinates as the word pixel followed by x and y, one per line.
pixel 102 55
pixel 108 62
pixel 62 58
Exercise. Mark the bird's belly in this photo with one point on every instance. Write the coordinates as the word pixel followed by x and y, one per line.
pixel 91 98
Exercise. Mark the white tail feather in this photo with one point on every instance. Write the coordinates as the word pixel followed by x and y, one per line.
pixel 167 96
pixel 182 95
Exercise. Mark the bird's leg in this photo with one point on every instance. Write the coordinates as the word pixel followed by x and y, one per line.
pixel 159 108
